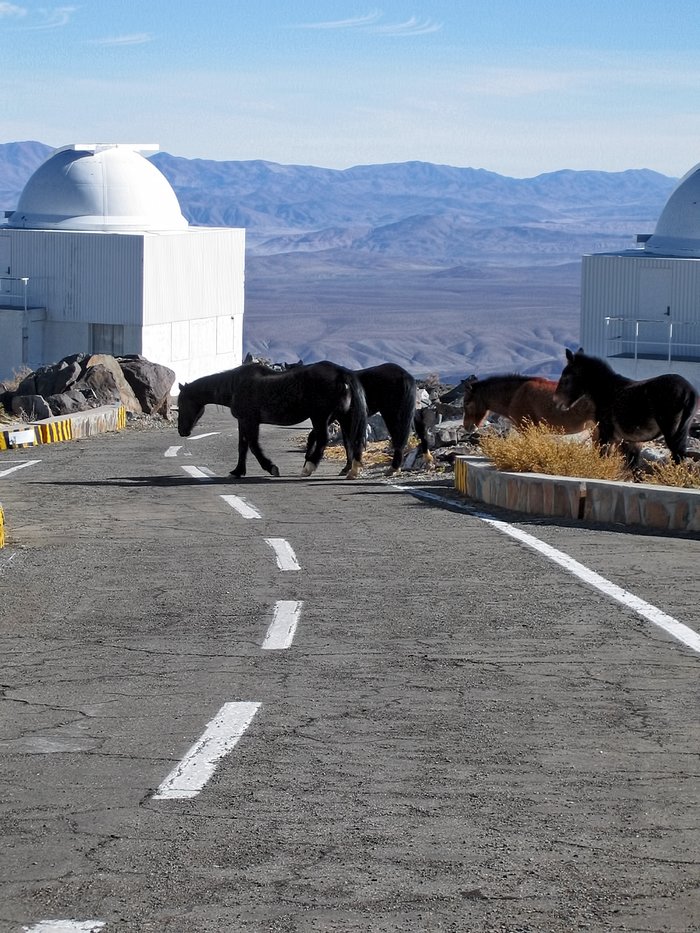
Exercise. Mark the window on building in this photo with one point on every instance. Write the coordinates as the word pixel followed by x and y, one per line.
pixel 107 338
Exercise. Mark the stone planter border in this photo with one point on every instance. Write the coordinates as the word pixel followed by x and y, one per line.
pixel 662 508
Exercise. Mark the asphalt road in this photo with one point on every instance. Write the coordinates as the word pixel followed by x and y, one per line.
pixel 459 735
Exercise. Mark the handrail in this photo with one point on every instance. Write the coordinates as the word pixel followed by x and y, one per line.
pixel 10 293
pixel 664 343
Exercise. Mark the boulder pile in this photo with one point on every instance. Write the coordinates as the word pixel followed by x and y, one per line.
pixel 83 381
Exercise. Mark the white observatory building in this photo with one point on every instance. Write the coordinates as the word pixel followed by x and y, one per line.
pixel 640 308
pixel 98 258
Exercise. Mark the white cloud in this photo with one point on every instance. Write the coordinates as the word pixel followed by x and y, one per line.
pixel 357 21
pixel 10 9
pixel 54 17
pixel 137 38
pixel 410 27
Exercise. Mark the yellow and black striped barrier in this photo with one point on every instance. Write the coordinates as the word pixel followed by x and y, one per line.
pixel 51 432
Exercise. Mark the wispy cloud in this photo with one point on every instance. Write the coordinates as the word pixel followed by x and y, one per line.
pixel 137 38
pixel 53 17
pixel 353 23
pixel 372 22
pixel 10 9
pixel 410 27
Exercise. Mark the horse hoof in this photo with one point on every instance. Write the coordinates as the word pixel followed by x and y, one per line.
pixel 237 474
pixel 354 471
pixel 309 468
pixel 274 471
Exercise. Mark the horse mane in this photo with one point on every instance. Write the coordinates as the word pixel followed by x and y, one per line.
pixel 214 386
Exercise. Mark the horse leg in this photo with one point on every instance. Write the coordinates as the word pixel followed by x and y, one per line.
pixel 253 435
pixel 239 470
pixel 314 451
pixel 421 428
pixel 677 440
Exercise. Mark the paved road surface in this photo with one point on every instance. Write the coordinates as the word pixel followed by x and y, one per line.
pixel 459 735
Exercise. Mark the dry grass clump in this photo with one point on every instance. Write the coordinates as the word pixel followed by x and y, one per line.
pixel 667 473
pixel 542 449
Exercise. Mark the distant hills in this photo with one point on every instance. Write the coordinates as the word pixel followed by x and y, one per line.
pixel 435 243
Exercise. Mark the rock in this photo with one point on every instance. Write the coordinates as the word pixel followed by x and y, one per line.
pixel 376 429
pixel 31 407
pixel 65 403
pixel 99 386
pixel 126 393
pixel 151 383
pixel 52 380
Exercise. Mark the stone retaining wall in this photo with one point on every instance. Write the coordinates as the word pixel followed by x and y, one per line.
pixel 662 508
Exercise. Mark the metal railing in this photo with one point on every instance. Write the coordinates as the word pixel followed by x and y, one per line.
pixel 14 291
pixel 645 338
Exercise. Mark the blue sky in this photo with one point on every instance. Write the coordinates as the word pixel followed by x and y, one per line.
pixel 518 87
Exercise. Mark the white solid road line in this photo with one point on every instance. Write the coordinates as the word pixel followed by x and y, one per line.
pixel 65 926
pixel 190 775
pixel 172 451
pixel 284 623
pixel 683 633
pixel 19 466
pixel 286 558
pixel 198 437
pixel 242 507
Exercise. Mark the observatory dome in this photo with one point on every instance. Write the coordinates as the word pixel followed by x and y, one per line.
pixel 678 228
pixel 95 187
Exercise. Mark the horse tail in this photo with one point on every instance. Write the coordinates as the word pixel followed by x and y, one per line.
pixel 355 425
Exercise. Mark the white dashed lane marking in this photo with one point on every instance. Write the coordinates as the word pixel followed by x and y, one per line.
pixel 172 451
pixel 224 731
pixel 280 634
pixel 286 558
pixel 242 507
pixel 198 472
pixel 65 926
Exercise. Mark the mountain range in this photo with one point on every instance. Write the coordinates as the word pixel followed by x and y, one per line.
pixel 441 269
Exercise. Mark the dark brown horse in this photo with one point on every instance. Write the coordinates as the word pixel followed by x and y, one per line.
pixel 627 410
pixel 522 399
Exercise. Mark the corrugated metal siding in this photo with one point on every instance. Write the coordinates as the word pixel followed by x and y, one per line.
pixel 612 286
pixel 198 273
pixel 89 277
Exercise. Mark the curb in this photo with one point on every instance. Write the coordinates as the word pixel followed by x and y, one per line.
pixel 57 429
pixel 662 508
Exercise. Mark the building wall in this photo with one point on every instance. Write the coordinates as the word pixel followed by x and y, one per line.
pixel 177 298
pixel 652 307
pixel 194 285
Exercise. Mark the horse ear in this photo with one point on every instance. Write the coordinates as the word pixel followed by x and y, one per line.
pixel 569 355
pixel 180 385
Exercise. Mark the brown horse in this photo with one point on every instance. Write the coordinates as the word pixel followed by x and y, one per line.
pixel 523 399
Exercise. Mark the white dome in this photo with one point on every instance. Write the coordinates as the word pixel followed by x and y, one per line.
pixel 98 188
pixel 678 229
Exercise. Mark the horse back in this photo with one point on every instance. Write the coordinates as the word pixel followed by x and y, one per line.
pixel 534 401
pixel 387 386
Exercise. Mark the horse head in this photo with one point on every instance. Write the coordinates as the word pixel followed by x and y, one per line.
pixel 189 411
pixel 571 386
pixel 475 409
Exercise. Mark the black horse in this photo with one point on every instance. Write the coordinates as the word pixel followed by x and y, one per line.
pixel 627 410
pixel 256 394
pixel 391 391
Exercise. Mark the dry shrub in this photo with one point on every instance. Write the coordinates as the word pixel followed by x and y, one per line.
pixel 18 375
pixel 685 474
pixel 543 449
pixel 377 453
